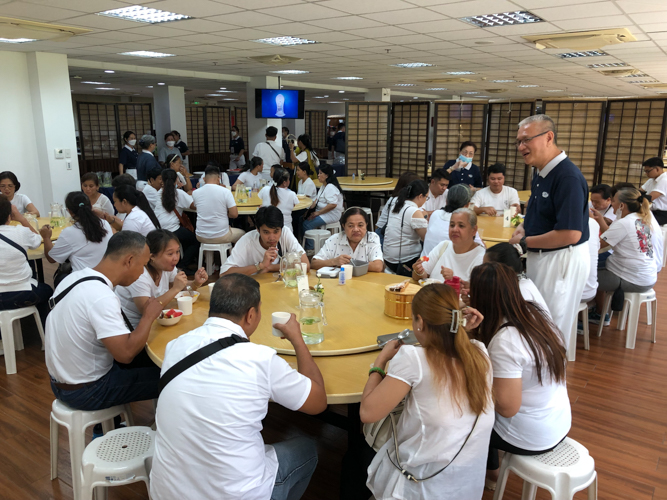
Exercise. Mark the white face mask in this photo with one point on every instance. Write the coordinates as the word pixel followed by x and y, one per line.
pixel 132 142
pixel 233 134
pixel 619 213
pixel 170 144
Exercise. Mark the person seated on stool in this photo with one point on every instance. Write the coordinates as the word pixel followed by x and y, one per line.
pixel 527 353
pixel 259 251
pixel 279 194
pixel 656 188
pixel 9 186
pixel 456 256
pixel 632 266
pixel 139 215
pixel 208 442
pixel 306 185
pixel 90 185
pixel 215 206
pixel 404 179
pixel 160 279
pixel 175 163
pixel 95 359
pixel 496 197
pixel 154 184
pixel 599 205
pixel 356 242
pixel 251 174
pixel 437 192
pixel 328 205
pixel 17 288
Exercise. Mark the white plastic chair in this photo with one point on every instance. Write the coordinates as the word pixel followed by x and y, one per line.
pixel 319 236
pixel 76 422
pixel 566 469
pixel 210 249
pixel 371 227
pixel 121 456
pixel 664 245
pixel 572 348
pixel 630 315
pixel 333 227
pixel 12 336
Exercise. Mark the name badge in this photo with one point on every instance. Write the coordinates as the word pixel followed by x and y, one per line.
pixel 545 194
pixel 470 175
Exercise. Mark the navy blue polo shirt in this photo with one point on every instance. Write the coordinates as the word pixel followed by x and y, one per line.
pixel 145 163
pixel 471 176
pixel 128 158
pixel 236 145
pixel 182 147
pixel 558 201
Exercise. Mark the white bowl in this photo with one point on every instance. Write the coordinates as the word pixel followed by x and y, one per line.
pixel 187 294
pixel 169 321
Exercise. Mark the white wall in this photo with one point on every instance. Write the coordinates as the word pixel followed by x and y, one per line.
pixel 169 104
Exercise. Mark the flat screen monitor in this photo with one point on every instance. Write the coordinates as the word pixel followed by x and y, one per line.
pixel 279 103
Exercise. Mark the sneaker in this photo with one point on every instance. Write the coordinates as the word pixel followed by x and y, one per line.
pixel 594 318
pixel 97 431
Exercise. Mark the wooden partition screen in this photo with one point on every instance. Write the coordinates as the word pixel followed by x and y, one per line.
pixel 135 117
pixel 634 131
pixel 579 125
pixel 367 137
pixel 316 128
pixel 194 120
pixel 504 118
pixel 410 125
pixel 241 121
pixel 218 124
pixel 455 122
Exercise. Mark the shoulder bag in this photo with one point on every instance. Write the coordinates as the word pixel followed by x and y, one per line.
pixel 184 221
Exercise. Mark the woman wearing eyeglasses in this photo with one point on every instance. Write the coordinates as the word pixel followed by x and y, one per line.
pixel 463 170
pixel 656 188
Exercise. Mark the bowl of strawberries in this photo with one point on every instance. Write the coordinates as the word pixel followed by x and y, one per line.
pixel 170 317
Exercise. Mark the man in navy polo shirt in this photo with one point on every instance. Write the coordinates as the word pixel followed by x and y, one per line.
pixel 555 229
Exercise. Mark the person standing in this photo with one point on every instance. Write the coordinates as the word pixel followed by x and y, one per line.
pixel 270 151
pixel 285 144
pixel 146 160
pixel 338 142
pixel 656 188
pixel 168 150
pixel 236 149
pixel 127 158
pixel 182 147
pixel 555 229
pixel 463 170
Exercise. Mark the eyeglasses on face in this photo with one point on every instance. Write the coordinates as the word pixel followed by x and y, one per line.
pixel 519 142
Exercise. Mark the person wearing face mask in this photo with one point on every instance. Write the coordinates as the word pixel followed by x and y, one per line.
pixel 182 147
pixel 463 170
pixel 496 197
pixel 127 158
pixel 169 149
pixel 236 149
pixel 656 188
pixel 146 160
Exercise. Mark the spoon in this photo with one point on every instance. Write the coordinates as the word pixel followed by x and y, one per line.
pixel 402 335
pixel 190 291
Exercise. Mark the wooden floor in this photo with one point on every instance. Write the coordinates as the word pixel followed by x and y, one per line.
pixel 619 405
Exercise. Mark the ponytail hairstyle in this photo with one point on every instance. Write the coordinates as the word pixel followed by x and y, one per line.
pixel 169 189
pixel 126 136
pixel 410 192
pixel 331 178
pixel 157 241
pixel 305 140
pixel 255 162
pixel 137 199
pixel 305 166
pixel 82 212
pixel 455 362
pixel 280 176
pixel 505 254
pixel 637 202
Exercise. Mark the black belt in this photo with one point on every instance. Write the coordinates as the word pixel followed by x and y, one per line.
pixel 70 387
pixel 535 250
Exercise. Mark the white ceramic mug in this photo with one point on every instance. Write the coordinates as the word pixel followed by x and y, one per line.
pixel 279 318
pixel 348 268
pixel 185 305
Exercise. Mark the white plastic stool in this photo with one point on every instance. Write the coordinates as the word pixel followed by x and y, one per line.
pixel 121 456
pixel 370 218
pixel 333 227
pixel 12 337
pixel 210 249
pixel 319 236
pixel 566 469
pixel 664 245
pixel 76 422
pixel 630 315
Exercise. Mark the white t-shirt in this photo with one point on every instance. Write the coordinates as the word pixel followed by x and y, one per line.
pixel 430 431
pixel 224 179
pixel 591 287
pixel 21 202
pixel 287 200
pixel 151 195
pixel 143 287
pixel 400 238
pixel 250 180
pixel 248 251
pixel 169 220
pixel 209 418
pixel 501 201
pixel 104 204
pixel 368 249
pixel 607 214
pixel 544 417
pixel 438 231
pixel 433 203
pixel 137 220
pixel 15 272
pixel 328 195
pixel 75 328
pixel 271 152
pixel 307 187
pixel 384 216
pixel 213 203
pixel 634 253
pixel 73 245
pixel 658 184
pixel 530 293
pixel 460 263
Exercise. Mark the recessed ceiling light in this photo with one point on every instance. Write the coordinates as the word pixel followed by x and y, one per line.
pixel 285 41
pixel 214 95
pixel 228 91
pixel 413 65
pixel 471 92
pixel 484 42
pixel 146 53
pixel 643 81
pixel 223 88
pixel 608 65
pixel 502 19
pixel 229 99
pixel 527 86
pixel 105 88
pixel 460 73
pixel 554 90
pixel 583 53
pixel 341 91
pixel 109 71
pixel 319 97
pixel 291 72
pixel 160 83
pixel 335 102
pixel 638 75
pixel 504 81
pixel 345 99
pixel 482 97
pixel 97 83
pixel 347 78
pixel 326 96
pixel 415 97
pixel 149 86
pixel 143 14
pixel 17 40
pixel 437 88
pixel 404 85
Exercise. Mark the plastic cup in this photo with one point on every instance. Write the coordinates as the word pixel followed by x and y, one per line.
pixel 185 305
pixel 279 318
pixel 210 289
pixel 347 268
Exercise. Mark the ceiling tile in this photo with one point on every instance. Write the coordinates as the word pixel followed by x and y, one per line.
pixel 474 8
pixel 247 19
pixel 200 26
pixel 261 4
pixel 650 17
pixel 600 9
pixel 80 5
pixel 99 22
pixel 379 32
pixel 442 27
pixel 303 12
pixel 366 6
pixel 634 7
pixel 346 23
pixel 198 8
pixel 406 16
pixel 24 10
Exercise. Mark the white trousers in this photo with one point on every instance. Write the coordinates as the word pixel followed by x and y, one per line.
pixel 560 276
pixel 236 162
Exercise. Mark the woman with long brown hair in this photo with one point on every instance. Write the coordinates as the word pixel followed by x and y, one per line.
pixel 442 436
pixel 528 356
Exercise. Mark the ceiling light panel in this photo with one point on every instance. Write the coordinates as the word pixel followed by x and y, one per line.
pixel 471 93
pixel 437 88
pixel 17 40
pixel 608 65
pixel 528 86
pixel 503 19
pixel 105 88
pixel 413 65
pixel 290 72
pixel 109 71
pixel 142 14
pixel 460 73
pixel 285 41
pixel 553 90
pixel 583 53
pixel 347 78
pixel 504 81
pixel 97 83
pixel 404 85
pixel 146 53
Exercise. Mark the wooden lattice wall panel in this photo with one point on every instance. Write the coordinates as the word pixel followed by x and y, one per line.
pixel 578 124
pixel 455 122
pixel 135 117
pixel 410 138
pixel 316 128
pixel 98 131
pixel 367 137
pixel 218 126
pixel 241 121
pixel 194 119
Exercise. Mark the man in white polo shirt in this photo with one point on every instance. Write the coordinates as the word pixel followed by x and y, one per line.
pixel 270 151
pixel 437 191
pixel 95 360
pixel 656 188
pixel 209 415
pixel 496 197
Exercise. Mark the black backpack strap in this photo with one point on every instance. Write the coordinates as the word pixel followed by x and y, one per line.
pixel 15 245
pixel 197 356
pixel 53 301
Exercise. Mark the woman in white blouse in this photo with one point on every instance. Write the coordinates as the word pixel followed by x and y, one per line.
pixel 442 435
pixel 406 229
pixel 527 353
pixel 438 223
pixel 280 195
pixel 9 185
pixel 404 179
pixel 139 215
pixel 306 185
pixel 90 184
pixel 251 176
pixel 328 204
pixel 160 279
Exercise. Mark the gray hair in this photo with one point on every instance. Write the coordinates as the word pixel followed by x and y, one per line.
pixel 458 196
pixel 472 217
pixel 125 242
pixel 146 140
pixel 546 120
pixel 233 296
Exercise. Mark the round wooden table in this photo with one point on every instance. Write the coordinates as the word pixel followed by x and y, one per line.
pixel 491 230
pixel 368 184
pixel 524 196
pixel 38 253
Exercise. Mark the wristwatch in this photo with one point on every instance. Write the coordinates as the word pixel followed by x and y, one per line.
pixel 258 266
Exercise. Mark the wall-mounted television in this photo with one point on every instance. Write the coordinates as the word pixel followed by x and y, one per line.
pixel 279 103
